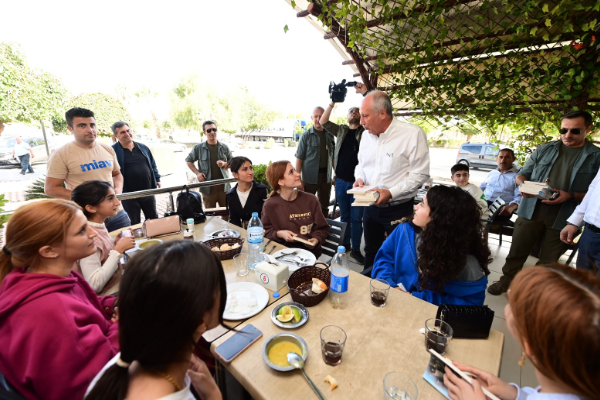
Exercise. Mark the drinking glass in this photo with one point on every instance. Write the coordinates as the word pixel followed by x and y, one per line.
pixel 241 264
pixel 399 386
pixel 333 339
pixel 379 292
pixel 437 335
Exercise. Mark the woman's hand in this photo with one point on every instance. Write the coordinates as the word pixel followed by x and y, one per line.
pixel 288 236
pixel 314 241
pixel 124 243
pixel 203 382
pixel 491 382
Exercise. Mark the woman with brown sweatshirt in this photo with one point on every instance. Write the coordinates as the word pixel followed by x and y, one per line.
pixel 289 212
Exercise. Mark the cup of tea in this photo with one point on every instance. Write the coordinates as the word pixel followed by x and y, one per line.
pixel 437 335
pixel 398 385
pixel 241 264
pixel 379 292
pixel 333 339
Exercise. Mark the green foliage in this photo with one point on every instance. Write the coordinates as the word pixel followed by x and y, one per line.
pixel 290 143
pixel 36 190
pixel 269 144
pixel 3 218
pixel 107 110
pixel 26 94
pixel 260 174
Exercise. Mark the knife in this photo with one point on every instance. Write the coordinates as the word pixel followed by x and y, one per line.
pixel 268 243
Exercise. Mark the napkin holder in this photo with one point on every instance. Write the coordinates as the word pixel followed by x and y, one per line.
pixel 271 275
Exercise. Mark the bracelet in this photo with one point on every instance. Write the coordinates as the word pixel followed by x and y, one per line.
pixel 332 105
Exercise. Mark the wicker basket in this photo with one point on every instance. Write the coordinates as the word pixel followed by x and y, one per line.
pixel 227 254
pixel 305 274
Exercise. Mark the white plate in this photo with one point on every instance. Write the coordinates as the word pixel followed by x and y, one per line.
pixel 307 255
pixel 251 299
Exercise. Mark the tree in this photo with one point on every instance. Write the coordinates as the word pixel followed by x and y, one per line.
pixel 26 94
pixel 107 110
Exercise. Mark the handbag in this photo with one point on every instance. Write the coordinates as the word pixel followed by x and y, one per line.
pixel 467 322
pixel 189 205
pixel 157 227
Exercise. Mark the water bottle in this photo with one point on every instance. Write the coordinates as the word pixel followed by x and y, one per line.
pixel 255 241
pixel 340 272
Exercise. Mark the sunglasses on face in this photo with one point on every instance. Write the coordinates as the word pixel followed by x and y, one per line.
pixel 574 131
pixel 210 130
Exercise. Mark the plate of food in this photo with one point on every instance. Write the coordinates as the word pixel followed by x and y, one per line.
pixel 244 299
pixel 295 258
pixel 144 244
pixel 289 315
pixel 226 233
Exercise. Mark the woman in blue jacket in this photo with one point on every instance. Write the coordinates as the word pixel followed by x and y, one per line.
pixel 441 256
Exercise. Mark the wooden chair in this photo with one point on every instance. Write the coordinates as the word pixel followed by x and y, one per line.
pixel 337 234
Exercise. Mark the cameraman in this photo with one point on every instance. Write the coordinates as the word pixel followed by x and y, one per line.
pixel 345 159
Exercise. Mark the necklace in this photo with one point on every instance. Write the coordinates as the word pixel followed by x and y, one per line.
pixel 170 379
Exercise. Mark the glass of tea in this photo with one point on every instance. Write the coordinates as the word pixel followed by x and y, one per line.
pixel 333 339
pixel 399 386
pixel 437 335
pixel 379 292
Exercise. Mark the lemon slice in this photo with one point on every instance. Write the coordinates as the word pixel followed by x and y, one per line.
pixel 297 314
pixel 285 310
pixel 285 317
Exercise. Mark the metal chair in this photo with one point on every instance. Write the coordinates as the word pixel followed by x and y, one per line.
pixel 494 210
pixel 337 234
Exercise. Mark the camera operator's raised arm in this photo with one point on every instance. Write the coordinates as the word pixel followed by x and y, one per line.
pixel 327 114
pixel 361 88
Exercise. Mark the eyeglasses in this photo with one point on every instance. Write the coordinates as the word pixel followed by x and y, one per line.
pixel 210 130
pixel 574 131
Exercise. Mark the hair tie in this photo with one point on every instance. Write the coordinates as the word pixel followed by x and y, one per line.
pixel 122 363
pixel 6 251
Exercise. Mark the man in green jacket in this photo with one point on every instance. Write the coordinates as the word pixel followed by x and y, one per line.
pixel 213 162
pixel 568 166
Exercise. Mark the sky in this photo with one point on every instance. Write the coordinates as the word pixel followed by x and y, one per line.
pixel 94 46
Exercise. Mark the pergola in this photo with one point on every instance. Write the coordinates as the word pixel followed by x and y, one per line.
pixel 487 59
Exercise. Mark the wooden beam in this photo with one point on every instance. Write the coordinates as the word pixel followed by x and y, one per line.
pixel 329 35
pixel 303 14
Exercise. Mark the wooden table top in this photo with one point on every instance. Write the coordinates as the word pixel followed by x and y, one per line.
pixel 213 224
pixel 380 340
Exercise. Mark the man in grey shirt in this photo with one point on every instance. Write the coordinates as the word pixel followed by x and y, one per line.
pixel 314 159
pixel 213 162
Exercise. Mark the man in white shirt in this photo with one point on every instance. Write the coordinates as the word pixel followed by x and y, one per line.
pixel 588 213
pixel 394 157
pixel 23 151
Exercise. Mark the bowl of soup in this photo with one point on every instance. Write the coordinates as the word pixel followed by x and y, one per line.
pixel 277 347
pixel 146 244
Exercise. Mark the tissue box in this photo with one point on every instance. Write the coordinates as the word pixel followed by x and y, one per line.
pixel 271 276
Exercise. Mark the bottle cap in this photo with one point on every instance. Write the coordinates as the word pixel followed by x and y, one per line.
pixel 190 221
pixel 276 295
pixel 341 249
pixel 255 214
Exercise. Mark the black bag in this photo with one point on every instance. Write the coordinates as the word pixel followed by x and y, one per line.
pixel 467 322
pixel 189 205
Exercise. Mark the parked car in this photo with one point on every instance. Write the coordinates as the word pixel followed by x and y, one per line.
pixel 478 155
pixel 37 145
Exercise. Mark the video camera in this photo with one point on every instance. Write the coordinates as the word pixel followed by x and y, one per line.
pixel 338 92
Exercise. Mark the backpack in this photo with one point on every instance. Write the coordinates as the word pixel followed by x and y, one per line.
pixel 189 205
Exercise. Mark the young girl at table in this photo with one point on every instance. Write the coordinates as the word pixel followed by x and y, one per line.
pixel 168 299
pixel 247 196
pixel 441 256
pixel 554 313
pixel 56 333
pixel 98 201
pixel 290 213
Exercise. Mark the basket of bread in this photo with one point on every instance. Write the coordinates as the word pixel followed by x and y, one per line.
pixel 225 248
pixel 310 285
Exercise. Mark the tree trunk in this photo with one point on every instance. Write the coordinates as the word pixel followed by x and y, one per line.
pixel 1 127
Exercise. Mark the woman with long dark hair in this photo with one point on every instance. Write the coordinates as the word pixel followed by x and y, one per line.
pixel 168 299
pixel 441 256
pixel 247 196
pixel 290 213
pixel 56 333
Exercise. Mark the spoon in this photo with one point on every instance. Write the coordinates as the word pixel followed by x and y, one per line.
pixel 297 362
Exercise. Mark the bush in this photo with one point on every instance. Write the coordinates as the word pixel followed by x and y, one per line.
pixel 260 174
pixel 36 190
pixel 269 144
pixel 290 143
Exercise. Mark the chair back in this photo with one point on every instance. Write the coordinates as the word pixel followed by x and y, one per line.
pixel 337 234
pixel 7 392
pixel 494 209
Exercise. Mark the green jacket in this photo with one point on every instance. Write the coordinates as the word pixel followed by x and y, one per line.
pixel 340 132
pixel 538 167
pixel 308 152
pixel 201 154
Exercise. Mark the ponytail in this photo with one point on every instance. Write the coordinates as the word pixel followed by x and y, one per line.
pixel 275 172
pixel 112 385
pixel 5 263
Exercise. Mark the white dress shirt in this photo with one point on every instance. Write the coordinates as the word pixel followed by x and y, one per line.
pixel 589 209
pixel 397 160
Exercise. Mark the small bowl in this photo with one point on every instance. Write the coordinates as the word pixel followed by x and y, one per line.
pixel 154 242
pixel 285 325
pixel 283 337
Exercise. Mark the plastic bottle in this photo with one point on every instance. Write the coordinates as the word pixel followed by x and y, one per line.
pixel 340 272
pixel 255 241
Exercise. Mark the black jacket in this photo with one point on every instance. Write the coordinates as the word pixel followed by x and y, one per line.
pixel 256 199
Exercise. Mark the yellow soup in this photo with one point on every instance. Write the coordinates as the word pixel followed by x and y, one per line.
pixel 278 353
pixel 148 243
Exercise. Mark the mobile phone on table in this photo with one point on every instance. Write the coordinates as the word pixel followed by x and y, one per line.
pixel 235 345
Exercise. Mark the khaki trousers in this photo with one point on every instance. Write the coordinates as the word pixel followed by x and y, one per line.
pixel 217 195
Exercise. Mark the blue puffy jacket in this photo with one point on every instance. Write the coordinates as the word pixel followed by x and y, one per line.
pixel 396 262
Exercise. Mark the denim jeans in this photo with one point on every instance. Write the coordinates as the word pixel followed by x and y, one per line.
pixel 589 251
pixel 25 163
pixel 353 216
pixel 121 220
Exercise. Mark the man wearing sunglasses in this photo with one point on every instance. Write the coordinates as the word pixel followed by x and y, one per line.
pixel 569 166
pixel 213 162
